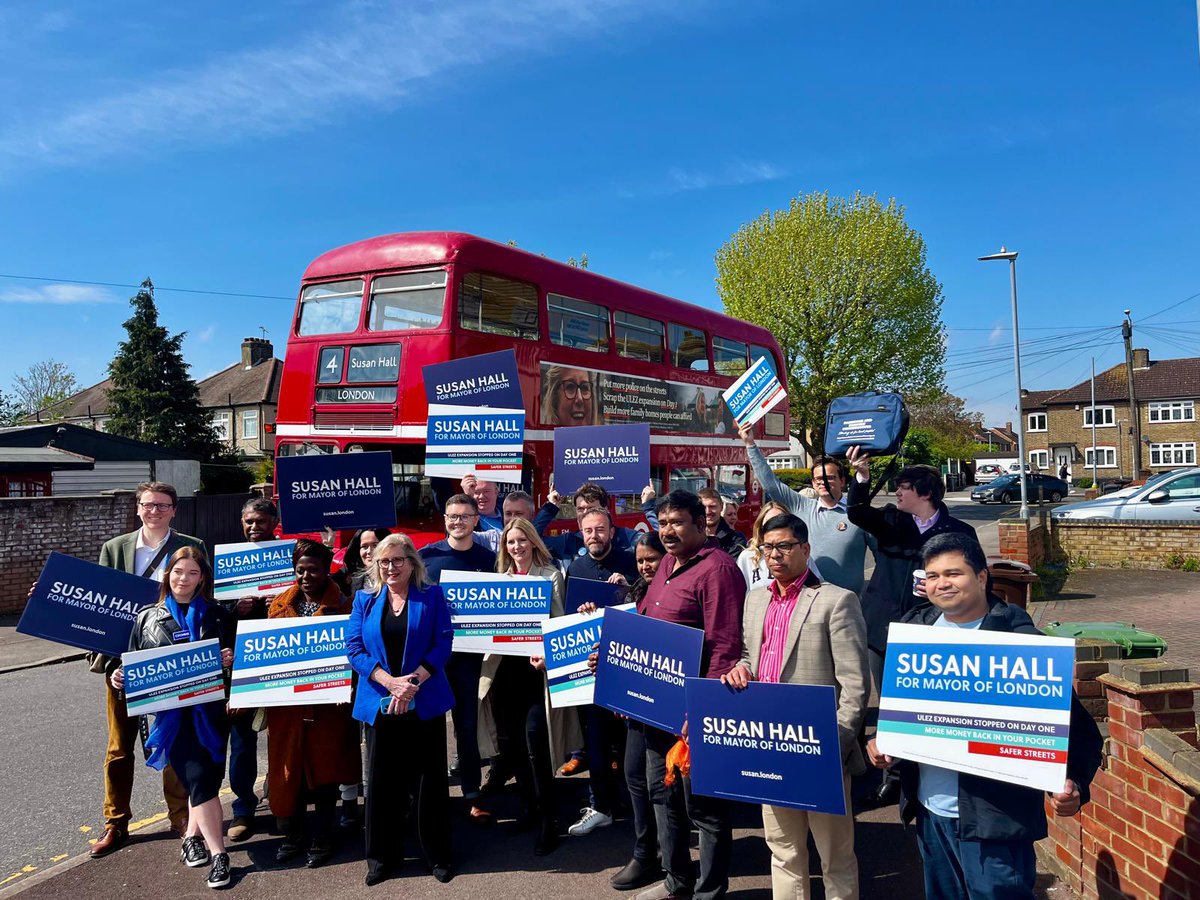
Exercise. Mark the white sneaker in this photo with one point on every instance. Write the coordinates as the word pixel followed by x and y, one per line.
pixel 589 822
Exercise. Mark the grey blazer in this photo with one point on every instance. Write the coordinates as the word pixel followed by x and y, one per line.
pixel 826 644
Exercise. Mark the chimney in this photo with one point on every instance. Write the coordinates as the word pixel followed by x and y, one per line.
pixel 255 351
pixel 1008 427
pixel 1141 358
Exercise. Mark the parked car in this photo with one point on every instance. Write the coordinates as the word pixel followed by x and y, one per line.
pixel 1172 498
pixel 986 472
pixel 1007 488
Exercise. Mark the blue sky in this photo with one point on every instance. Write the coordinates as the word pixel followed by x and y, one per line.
pixel 222 146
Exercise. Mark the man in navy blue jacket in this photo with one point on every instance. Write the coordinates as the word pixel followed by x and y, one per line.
pixel 568 545
pixel 976 834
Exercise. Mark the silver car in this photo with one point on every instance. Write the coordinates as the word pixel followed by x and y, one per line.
pixel 1174 498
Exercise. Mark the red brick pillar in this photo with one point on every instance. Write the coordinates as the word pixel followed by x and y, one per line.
pixel 1014 540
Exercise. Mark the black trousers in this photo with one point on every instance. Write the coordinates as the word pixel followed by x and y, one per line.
pixel 641 792
pixel 519 705
pixel 406 771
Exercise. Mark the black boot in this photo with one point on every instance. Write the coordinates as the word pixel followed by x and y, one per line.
pixel 292 844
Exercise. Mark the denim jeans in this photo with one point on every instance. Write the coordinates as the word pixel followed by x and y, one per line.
pixel 972 870
pixel 243 762
pixel 463 671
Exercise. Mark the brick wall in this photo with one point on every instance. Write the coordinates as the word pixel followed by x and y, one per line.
pixel 1139 837
pixel 31 527
pixel 1027 542
pixel 1110 544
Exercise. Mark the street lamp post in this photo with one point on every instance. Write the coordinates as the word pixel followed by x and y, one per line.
pixel 1011 256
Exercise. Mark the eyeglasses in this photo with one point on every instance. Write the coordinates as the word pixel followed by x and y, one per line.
pixel 155 507
pixel 393 562
pixel 575 389
pixel 783 548
pixel 457 518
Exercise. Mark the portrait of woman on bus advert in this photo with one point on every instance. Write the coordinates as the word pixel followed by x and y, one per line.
pixel 569 396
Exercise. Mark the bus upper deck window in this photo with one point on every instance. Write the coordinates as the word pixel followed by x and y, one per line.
pixel 498 305
pixel 729 356
pixel 688 348
pixel 757 351
pixel 639 337
pixel 411 300
pixel 578 324
pixel 330 308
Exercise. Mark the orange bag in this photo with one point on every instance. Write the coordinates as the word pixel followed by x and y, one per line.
pixel 678 756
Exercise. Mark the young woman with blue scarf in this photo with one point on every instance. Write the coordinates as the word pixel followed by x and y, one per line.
pixel 191 740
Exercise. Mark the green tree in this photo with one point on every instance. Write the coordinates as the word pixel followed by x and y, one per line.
pixel 844 286
pixel 44 385
pixel 153 398
pixel 951 427
pixel 10 410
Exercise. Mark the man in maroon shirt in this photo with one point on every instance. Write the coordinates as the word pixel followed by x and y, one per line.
pixel 698 584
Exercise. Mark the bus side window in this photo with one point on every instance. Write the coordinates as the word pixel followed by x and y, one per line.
pixel 498 305
pixel 757 351
pixel 729 356
pixel 638 337
pixel 693 478
pixel 577 323
pixel 688 348
pixel 731 482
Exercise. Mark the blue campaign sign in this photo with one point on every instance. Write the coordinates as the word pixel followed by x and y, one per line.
pixel 568 641
pixel 616 457
pixel 85 605
pixel 338 490
pixel 589 590
pixel 467 440
pixel 250 569
pixel 770 743
pixel 642 666
pixel 489 379
pixel 754 394
pixel 172 677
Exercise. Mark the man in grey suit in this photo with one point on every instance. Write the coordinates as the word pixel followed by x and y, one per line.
pixel 799 630
pixel 143 552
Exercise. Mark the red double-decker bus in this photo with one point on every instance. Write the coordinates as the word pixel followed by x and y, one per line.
pixel 590 350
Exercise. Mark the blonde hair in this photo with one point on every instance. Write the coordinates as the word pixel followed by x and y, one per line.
pixel 420 577
pixel 504 560
pixel 756 532
pixel 552 386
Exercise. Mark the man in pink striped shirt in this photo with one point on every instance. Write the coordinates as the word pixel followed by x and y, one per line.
pixel 798 630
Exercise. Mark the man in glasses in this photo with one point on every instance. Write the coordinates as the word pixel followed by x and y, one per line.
pixel 800 631
pixel 143 552
pixel 460 552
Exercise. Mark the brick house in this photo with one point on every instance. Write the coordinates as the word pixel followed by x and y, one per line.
pixel 241 398
pixel 1058 424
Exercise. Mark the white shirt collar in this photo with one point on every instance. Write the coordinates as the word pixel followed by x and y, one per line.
pixel 141 544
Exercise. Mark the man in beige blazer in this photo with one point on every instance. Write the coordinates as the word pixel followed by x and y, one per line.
pixel 799 630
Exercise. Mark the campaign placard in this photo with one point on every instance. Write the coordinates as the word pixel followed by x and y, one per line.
pixel 290 661
pixel 497 613
pixel 250 569
pixel 568 641
pixel 85 605
pixel 754 394
pixel 172 677
pixel 489 379
pixel 769 743
pixel 987 703
pixel 616 457
pixel 336 490
pixel 642 668
pixel 589 590
pixel 469 440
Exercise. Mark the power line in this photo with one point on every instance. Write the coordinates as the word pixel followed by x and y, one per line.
pixel 138 286
pixel 1171 307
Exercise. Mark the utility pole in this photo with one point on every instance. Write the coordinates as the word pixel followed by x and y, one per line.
pixel 1134 419
pixel 1095 449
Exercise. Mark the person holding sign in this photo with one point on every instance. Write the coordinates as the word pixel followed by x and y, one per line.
pixel 976 834
pixel 310 749
pixel 570 544
pixel 355 573
pixel 398 640
pixel 797 630
pixel 143 552
pixel 192 739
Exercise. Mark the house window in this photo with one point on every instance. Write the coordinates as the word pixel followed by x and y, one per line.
pixel 1173 411
pixel 1039 459
pixel 220 424
pixel 1104 417
pixel 1173 454
pixel 250 424
pixel 1106 457
pixel 1036 422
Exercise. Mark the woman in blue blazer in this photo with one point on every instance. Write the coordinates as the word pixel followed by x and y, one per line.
pixel 399 641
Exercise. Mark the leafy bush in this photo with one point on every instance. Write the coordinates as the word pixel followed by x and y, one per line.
pixel 795 478
pixel 1084 483
pixel 1181 563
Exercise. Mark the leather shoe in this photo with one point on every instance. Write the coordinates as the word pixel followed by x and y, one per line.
pixel 375 876
pixel 480 816
pixel 442 874
pixel 636 874
pixel 240 829
pixel 660 892
pixel 573 765
pixel 113 840
pixel 887 793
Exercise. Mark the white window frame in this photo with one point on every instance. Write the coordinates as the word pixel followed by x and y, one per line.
pixel 1039 459
pixel 1179 453
pixel 220 424
pixel 1105 412
pixel 1029 421
pixel 1107 460
pixel 1185 408
pixel 249 415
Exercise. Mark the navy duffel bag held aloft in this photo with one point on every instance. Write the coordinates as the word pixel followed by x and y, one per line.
pixel 872 420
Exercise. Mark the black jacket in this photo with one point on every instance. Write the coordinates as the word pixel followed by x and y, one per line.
pixel 990 810
pixel 889 595
pixel 156 627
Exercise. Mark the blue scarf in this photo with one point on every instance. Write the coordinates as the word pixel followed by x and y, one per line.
pixel 166 723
